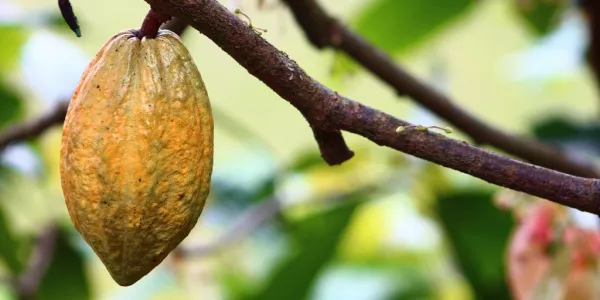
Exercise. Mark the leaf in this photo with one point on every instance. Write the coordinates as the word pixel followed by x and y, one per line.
pixel 478 234
pixel 10 105
pixel 397 26
pixel 563 132
pixel 317 237
pixel 13 37
pixel 230 194
pixel 541 16
pixel 10 247
pixel 307 160
pixel 66 277
pixel 415 285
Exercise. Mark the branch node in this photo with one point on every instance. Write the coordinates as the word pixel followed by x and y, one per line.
pixel 258 30
pixel 401 129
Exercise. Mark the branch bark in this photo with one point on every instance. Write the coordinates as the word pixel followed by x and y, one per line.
pixel 324 31
pixel 324 108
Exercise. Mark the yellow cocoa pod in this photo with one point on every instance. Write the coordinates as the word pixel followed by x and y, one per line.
pixel 137 152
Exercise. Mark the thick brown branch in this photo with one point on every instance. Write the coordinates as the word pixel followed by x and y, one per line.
pixel 324 31
pixel 322 106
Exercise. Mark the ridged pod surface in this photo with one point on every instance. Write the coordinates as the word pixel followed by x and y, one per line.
pixel 137 152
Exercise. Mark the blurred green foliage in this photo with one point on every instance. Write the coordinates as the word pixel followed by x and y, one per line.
pixel 66 277
pixel 541 16
pixel 11 105
pixel 476 232
pixel 315 239
pixel 13 37
pixel 11 246
pixel 410 23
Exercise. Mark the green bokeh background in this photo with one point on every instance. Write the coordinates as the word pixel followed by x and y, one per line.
pixel 398 231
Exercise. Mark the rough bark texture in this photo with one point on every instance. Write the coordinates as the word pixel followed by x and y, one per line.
pixel 325 110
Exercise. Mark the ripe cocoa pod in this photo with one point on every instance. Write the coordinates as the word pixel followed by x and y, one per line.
pixel 137 152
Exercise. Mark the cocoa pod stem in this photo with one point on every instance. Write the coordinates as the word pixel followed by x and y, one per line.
pixel 151 24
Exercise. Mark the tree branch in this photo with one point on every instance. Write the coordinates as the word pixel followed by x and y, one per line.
pixel 324 31
pixel 323 107
pixel 34 128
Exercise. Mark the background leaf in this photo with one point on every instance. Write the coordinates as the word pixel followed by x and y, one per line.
pixel 541 16
pixel 13 37
pixel 66 278
pixel 317 237
pixel 10 247
pixel 570 134
pixel 10 105
pixel 396 26
pixel 478 233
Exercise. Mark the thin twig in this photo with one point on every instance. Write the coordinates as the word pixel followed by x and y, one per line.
pixel 324 31
pixel 254 217
pixel 28 283
pixel 323 107
pixel 21 132
pixel 248 222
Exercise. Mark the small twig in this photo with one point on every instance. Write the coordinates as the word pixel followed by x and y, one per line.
pixel 250 220
pixel 267 209
pixel 258 30
pixel 28 283
pixel 401 129
pixel 35 127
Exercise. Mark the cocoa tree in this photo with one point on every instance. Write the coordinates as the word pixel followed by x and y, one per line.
pixel 539 169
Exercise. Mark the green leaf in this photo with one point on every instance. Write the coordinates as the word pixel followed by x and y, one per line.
pixel 66 278
pixel 562 132
pixel 10 105
pixel 397 26
pixel 415 285
pixel 317 237
pixel 541 16
pixel 307 160
pixel 10 247
pixel 479 234
pixel 13 37
pixel 233 196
